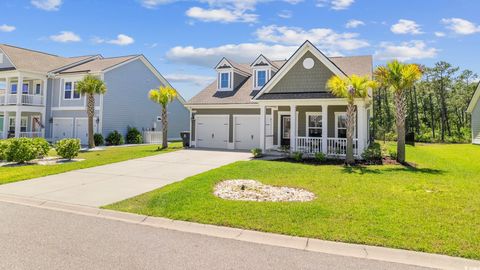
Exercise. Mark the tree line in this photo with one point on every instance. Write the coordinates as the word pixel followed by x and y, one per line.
pixel 436 106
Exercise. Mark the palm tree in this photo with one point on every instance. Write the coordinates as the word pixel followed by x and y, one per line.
pixel 163 96
pixel 399 78
pixel 351 88
pixel 90 86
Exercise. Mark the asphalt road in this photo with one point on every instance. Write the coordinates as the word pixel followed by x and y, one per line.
pixel 34 238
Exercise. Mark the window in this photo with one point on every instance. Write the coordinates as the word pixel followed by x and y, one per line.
pixel 25 88
pixel 13 88
pixel 314 125
pixel 224 80
pixel 70 91
pixel 261 78
pixel 341 125
pixel 38 89
pixel 23 124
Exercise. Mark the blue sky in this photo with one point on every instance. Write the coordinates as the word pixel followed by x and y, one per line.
pixel 185 39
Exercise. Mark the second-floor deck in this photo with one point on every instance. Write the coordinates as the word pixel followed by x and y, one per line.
pixel 25 99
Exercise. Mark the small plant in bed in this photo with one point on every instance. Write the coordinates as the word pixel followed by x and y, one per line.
pixel 257 152
pixel 133 136
pixel 68 148
pixel 98 139
pixel 21 150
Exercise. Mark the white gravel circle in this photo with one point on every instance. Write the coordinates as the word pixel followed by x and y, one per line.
pixel 251 190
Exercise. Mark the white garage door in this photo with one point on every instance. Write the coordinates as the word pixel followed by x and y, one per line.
pixel 81 129
pixel 212 131
pixel 62 128
pixel 247 131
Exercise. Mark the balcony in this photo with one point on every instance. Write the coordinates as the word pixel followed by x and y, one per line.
pixel 27 99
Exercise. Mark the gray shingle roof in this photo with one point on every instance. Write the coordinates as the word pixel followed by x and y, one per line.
pixel 99 65
pixel 359 65
pixel 30 60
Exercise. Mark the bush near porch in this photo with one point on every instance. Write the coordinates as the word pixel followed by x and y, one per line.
pixel 10 174
pixel 432 208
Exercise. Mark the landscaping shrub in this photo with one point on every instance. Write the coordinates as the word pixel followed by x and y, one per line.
pixel 3 149
pixel 43 147
pixel 133 136
pixel 373 152
pixel 114 138
pixel 98 138
pixel 68 148
pixel 392 154
pixel 21 150
pixel 297 156
pixel 320 157
pixel 256 152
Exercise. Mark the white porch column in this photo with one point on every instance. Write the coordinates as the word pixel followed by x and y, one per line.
pixel 263 112
pixel 7 90
pixel 44 103
pixel 6 122
pixel 362 127
pixel 19 90
pixel 18 123
pixel 324 128
pixel 293 127
pixel 44 92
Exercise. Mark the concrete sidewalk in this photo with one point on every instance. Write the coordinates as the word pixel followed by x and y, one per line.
pixel 107 184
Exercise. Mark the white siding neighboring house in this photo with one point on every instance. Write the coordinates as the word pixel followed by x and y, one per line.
pixel 40 100
pixel 273 104
pixel 474 109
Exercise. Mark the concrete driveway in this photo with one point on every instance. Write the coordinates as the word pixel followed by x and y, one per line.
pixel 107 184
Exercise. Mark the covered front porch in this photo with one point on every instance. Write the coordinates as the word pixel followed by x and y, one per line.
pixel 313 126
pixel 22 124
pixel 22 88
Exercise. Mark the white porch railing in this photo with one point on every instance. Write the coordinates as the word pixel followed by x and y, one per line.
pixel 31 134
pixel 32 100
pixel 152 137
pixel 338 147
pixel 309 145
pixel 11 99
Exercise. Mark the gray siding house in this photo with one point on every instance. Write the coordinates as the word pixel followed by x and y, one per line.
pixel 38 96
pixel 280 104
pixel 474 109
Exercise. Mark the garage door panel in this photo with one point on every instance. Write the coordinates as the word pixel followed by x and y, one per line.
pixel 62 128
pixel 247 132
pixel 212 131
pixel 81 129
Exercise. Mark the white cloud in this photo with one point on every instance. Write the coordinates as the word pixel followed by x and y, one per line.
pixel 48 5
pixel 121 40
pixel 461 26
pixel 405 51
pixel 406 27
pixel 326 39
pixel 220 15
pixel 197 80
pixel 285 14
pixel 354 23
pixel 335 4
pixel 208 57
pixel 439 34
pixel 7 28
pixel 66 36
pixel 155 3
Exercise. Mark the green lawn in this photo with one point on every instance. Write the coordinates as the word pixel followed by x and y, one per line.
pixel 92 159
pixel 434 208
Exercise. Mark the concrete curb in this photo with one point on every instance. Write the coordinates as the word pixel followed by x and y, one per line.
pixel 308 244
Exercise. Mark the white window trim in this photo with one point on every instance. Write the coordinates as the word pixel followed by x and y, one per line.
pixel 336 125
pixel 267 77
pixel 73 90
pixel 307 122
pixel 11 88
pixel 230 80
pixel 12 119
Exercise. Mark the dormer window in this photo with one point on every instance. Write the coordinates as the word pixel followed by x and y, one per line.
pixel 261 78
pixel 224 80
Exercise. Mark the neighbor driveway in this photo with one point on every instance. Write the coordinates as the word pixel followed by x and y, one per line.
pixel 107 184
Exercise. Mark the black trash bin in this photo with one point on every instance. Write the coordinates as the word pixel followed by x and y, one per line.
pixel 185 138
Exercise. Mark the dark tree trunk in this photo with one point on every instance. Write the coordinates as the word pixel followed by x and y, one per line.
pixel 90 114
pixel 164 127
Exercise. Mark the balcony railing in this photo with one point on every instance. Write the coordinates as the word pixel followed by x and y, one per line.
pixel 11 99
pixel 336 147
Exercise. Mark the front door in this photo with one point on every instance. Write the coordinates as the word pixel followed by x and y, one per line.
pixel 285 130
